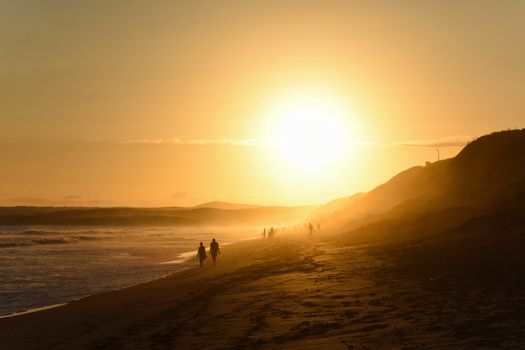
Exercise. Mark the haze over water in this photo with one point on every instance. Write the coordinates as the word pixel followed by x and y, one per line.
pixel 50 265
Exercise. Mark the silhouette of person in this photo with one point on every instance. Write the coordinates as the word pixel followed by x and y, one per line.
pixel 318 227
pixel 201 254
pixel 264 233
pixel 310 229
pixel 214 250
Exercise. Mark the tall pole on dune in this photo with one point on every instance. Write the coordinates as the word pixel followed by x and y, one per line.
pixel 437 150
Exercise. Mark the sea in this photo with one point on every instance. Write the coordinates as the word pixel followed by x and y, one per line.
pixel 44 266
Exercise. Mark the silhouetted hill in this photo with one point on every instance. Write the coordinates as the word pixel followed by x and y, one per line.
pixel 491 167
pixel 489 173
pixel 226 205
pixel 414 184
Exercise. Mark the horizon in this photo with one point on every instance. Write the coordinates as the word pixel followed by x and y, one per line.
pixel 255 205
pixel 220 201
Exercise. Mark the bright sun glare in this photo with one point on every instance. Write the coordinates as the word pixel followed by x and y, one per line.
pixel 310 132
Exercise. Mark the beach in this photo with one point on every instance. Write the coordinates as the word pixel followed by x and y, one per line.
pixel 289 292
pixel 360 164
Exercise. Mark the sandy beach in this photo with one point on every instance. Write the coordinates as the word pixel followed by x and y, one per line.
pixel 287 293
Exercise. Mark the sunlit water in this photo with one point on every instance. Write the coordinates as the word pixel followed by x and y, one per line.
pixel 49 265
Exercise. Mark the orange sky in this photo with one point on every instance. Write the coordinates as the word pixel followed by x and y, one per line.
pixel 162 103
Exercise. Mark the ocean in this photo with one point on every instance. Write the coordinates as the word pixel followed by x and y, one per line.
pixel 43 266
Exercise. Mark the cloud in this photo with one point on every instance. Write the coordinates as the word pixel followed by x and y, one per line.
pixel 177 141
pixel 448 141
pixel 168 141
pixel 235 142
pixel 66 200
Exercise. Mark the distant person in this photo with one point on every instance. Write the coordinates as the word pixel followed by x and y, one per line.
pixel 201 254
pixel 271 233
pixel 214 250
pixel 264 233
pixel 318 227
pixel 310 229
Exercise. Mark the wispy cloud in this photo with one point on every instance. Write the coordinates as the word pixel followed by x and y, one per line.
pixel 65 200
pixel 235 142
pixel 168 141
pixel 448 141
pixel 178 141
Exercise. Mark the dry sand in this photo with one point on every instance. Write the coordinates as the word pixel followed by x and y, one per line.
pixel 286 293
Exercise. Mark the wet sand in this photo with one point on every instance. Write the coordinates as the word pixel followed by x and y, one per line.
pixel 288 293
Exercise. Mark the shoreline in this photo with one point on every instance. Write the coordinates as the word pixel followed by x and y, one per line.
pixel 32 310
pixel 181 258
pixel 290 292
pixel 47 324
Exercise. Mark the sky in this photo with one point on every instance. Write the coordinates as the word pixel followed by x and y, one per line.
pixel 167 103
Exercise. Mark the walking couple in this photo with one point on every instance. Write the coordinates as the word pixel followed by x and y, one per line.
pixel 214 251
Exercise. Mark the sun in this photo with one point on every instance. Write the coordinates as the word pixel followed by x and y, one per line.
pixel 310 132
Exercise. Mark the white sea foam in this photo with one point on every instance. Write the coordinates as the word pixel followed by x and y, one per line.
pixel 36 309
